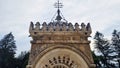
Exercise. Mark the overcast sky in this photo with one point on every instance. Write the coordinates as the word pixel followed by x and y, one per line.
pixel 15 16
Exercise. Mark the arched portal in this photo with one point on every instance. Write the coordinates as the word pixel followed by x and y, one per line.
pixel 61 58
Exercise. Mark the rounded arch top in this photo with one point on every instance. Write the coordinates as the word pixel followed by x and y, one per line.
pixel 59 56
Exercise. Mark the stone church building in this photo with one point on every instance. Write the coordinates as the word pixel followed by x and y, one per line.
pixel 60 44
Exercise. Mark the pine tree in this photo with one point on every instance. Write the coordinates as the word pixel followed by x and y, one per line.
pixel 22 59
pixel 96 60
pixel 7 51
pixel 102 47
pixel 116 44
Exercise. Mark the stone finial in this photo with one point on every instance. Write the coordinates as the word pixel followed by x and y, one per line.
pixel 83 27
pixel 57 27
pixel 31 26
pixel 64 26
pixel 37 26
pixel 70 27
pixel 44 26
pixel 50 26
pixel 88 28
pixel 77 27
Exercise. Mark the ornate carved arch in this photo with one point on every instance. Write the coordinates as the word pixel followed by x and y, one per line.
pixel 62 58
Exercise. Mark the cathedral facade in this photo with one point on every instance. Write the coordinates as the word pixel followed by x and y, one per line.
pixel 60 44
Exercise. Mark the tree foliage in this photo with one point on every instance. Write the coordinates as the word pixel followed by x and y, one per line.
pixel 116 45
pixel 22 59
pixel 7 51
pixel 109 51
pixel 102 46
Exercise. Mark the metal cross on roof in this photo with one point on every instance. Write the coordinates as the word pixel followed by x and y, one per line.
pixel 58 5
pixel 59 16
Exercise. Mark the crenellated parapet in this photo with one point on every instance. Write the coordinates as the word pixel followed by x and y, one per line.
pixel 58 30
pixel 53 27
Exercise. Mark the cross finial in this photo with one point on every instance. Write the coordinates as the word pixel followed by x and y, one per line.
pixel 58 5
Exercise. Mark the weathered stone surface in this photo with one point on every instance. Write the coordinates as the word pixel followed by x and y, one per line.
pixel 60 46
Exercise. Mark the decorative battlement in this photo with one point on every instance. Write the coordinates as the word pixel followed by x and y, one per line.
pixel 61 31
pixel 59 27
